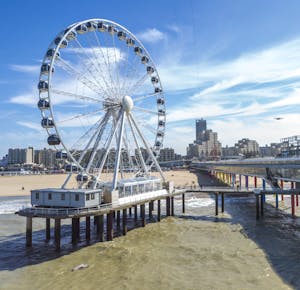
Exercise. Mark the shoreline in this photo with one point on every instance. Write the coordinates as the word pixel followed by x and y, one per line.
pixel 22 184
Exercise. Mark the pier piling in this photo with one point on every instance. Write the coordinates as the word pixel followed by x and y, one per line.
pixel 217 203
pixel 118 219
pixel 124 221
pixel 262 205
pixel 48 225
pixel 143 215
pixel 88 228
pixel 150 211
pixel 74 234
pixel 158 210
pixel 257 206
pixel 222 202
pixel 57 234
pixel 293 204
pixel 168 206
pixel 28 231
pixel 183 203
pixel 135 212
pixel 109 226
pixel 172 205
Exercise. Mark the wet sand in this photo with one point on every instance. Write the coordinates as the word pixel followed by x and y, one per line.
pixel 12 185
pixel 191 251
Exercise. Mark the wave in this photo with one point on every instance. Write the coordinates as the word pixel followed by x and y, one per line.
pixel 200 202
pixel 11 206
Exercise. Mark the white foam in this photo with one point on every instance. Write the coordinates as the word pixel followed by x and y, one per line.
pixel 200 202
pixel 11 206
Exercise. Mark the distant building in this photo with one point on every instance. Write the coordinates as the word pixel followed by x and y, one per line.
pixel 206 146
pixel 290 146
pixel 200 131
pixel 247 147
pixel 20 156
pixel 166 154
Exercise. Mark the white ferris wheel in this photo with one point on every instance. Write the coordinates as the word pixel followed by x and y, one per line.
pixel 102 103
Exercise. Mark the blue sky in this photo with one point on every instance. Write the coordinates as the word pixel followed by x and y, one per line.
pixel 235 63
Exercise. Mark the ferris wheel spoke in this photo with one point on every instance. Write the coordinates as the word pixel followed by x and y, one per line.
pixel 88 67
pixel 81 97
pixel 116 67
pixel 79 76
pixel 146 110
pixel 81 115
pixel 137 99
pixel 105 62
pixel 132 73
pixel 96 54
pixel 138 84
pixel 97 141
pixel 147 146
pixel 82 139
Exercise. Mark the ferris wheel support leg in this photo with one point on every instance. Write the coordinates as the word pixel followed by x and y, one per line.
pixel 107 151
pixel 137 146
pixel 67 180
pixel 119 147
pixel 148 148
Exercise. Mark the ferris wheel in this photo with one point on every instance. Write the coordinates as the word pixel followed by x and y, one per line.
pixel 102 103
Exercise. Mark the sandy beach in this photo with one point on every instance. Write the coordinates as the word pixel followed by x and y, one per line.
pixel 21 185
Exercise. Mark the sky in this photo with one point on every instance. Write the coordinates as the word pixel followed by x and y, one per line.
pixel 234 63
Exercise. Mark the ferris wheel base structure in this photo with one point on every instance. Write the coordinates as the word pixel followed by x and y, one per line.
pixel 128 191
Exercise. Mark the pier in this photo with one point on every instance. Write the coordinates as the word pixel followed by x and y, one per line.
pixel 112 212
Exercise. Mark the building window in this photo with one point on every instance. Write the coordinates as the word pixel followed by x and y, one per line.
pixel 63 196
pixel 92 195
pixel 37 195
pixel 49 196
pixel 76 197
pixel 87 196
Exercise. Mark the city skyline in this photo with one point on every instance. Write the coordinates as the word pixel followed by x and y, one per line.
pixel 238 74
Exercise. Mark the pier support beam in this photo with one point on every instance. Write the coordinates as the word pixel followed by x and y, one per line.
pixel 118 219
pixel 130 211
pixel 158 210
pixel 124 221
pixel 216 203
pixel 57 234
pixel 87 228
pixel 150 210
pixel 222 202
pixel 168 201
pixel 293 204
pixel 262 204
pixel 74 233
pixel 183 203
pixel 172 205
pixel 143 215
pixel 48 226
pixel 28 231
pixel 109 226
pixel 135 212
pixel 100 227
pixel 257 206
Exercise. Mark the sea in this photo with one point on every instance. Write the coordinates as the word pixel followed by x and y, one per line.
pixel 195 250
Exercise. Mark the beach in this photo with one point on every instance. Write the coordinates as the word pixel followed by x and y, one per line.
pixel 22 184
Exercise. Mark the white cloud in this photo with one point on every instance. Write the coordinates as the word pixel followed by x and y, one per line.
pixel 26 99
pixel 25 68
pixel 30 125
pixel 151 35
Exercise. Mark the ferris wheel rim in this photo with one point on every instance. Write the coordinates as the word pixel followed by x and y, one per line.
pixel 63 34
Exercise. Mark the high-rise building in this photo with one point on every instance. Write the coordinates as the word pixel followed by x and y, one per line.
pixel 206 146
pixel 200 131
pixel 20 155
pixel 166 154
pixel 247 147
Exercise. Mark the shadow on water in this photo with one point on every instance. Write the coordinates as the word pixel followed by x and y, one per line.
pixel 14 254
pixel 277 234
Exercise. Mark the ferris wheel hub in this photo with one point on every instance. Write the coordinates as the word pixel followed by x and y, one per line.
pixel 127 103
